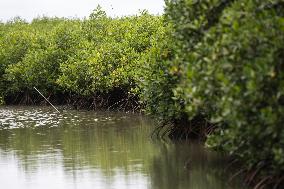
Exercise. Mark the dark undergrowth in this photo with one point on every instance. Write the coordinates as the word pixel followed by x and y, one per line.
pixel 115 100
pixel 197 128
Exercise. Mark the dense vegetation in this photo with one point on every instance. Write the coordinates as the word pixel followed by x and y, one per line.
pixel 207 67
pixel 227 70
pixel 92 62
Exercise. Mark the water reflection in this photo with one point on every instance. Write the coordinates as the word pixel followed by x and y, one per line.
pixel 81 149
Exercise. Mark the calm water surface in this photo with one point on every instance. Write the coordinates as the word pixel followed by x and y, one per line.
pixel 41 149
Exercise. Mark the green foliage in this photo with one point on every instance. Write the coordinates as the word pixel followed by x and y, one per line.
pixel 85 57
pixel 109 56
pixel 15 42
pixel 249 82
pixel 226 65
pixel 159 76
pixel 31 55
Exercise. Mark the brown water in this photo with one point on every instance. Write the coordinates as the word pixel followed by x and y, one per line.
pixel 42 149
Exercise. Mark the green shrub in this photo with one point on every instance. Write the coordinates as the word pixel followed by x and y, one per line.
pixel 33 54
pixel 230 56
pixel 159 77
pixel 86 57
pixel 250 80
pixel 109 56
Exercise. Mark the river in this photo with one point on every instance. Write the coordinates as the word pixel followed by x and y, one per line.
pixel 43 149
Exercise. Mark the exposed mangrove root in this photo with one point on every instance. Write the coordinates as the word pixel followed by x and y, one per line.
pixel 252 173
pixel 279 182
pixel 253 177
pixel 183 129
pixel 261 183
pixel 26 99
pixel 236 174
pixel 232 163
pixel 157 132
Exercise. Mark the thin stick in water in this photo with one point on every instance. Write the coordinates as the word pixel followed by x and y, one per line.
pixel 46 100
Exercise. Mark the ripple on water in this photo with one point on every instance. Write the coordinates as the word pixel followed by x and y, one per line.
pixel 21 117
pixel 26 116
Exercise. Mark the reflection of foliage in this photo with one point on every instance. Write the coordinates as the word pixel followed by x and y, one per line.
pixel 114 142
pixel 189 166
pixel 89 143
